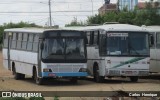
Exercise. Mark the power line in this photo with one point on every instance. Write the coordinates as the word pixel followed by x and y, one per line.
pixel 45 2
pixel 44 15
pixel 47 12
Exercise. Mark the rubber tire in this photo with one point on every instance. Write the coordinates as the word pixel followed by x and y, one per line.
pixel 22 76
pixel 17 76
pixel 97 78
pixel 134 78
pixel 74 80
pixel 38 80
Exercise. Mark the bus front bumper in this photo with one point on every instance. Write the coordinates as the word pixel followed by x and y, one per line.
pixel 71 74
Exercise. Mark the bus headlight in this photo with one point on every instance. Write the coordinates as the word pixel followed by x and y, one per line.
pixel 47 70
pixel 83 70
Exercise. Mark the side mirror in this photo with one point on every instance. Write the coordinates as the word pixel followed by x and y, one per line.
pixel 151 40
pixel 42 46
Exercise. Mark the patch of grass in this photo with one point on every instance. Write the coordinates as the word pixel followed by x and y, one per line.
pixel 56 98
pixel 13 98
pixel 36 98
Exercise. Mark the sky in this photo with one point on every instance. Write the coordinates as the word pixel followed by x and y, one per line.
pixel 36 11
pixel 63 11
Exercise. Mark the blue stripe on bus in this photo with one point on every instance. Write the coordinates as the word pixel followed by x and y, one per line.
pixel 50 74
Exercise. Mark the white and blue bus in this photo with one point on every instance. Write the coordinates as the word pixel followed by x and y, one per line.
pixel 45 53
pixel 117 50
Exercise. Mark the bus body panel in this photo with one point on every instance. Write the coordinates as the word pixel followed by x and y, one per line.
pixel 63 69
pixel 158 59
pixel 155 49
pixel 24 60
pixel 154 61
pixel 127 66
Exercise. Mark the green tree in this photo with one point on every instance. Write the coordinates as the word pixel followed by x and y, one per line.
pixel 14 25
pixel 147 16
pixel 74 22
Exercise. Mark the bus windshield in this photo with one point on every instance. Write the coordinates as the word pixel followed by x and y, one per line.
pixel 63 48
pixel 134 44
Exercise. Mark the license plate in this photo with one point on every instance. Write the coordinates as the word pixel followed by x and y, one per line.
pixel 128 72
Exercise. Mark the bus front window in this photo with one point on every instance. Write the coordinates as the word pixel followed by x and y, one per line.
pixel 75 49
pixel 64 48
pixel 117 46
pixel 53 49
pixel 138 44
pixel 125 44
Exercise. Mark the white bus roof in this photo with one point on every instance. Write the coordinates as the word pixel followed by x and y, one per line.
pixel 31 30
pixel 110 27
pixel 153 28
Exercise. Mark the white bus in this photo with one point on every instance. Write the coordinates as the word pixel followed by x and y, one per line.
pixel 117 50
pixel 44 53
pixel 155 49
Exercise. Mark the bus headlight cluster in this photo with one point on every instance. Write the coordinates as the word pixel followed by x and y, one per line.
pixel 47 70
pixel 83 70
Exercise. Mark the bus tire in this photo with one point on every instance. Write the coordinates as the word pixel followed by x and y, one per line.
pixel 98 78
pixel 38 80
pixel 134 78
pixel 22 76
pixel 74 80
pixel 17 76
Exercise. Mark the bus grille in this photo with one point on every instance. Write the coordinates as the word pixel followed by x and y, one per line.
pixel 65 68
pixel 114 72
pixel 143 73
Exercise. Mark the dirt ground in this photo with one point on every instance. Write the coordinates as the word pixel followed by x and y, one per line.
pixel 8 83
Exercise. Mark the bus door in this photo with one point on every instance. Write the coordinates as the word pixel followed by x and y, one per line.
pixel 8 50
pixel 40 48
pixel 158 52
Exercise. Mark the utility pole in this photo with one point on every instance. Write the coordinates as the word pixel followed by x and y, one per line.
pixel 118 5
pixel 50 16
pixel 92 6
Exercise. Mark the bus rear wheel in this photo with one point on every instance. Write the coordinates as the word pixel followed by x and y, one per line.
pixel 134 78
pixel 38 80
pixel 17 76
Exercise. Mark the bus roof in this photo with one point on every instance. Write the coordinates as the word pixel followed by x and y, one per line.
pixel 153 28
pixel 111 27
pixel 33 30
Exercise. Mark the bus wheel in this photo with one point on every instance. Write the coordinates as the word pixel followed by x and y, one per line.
pixel 98 78
pixel 134 78
pixel 74 80
pixel 22 76
pixel 38 80
pixel 17 76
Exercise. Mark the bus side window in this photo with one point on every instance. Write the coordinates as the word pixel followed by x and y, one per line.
pixel 14 41
pixel 158 40
pixel 30 42
pixel 91 38
pixel 24 42
pixel 96 37
pixel 5 41
pixel 35 43
pixel 88 37
pixel 19 41
pixel 102 42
